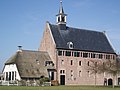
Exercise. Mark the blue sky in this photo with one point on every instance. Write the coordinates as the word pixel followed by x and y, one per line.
pixel 22 21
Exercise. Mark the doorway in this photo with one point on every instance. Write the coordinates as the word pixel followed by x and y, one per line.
pixel 62 79
pixel 110 82
pixel 52 75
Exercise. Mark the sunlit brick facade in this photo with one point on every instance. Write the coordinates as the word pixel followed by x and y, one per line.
pixel 72 50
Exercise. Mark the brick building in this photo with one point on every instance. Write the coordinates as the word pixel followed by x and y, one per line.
pixel 72 49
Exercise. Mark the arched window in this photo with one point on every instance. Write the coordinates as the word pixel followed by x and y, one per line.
pixel 88 63
pixel 110 81
pixel 80 63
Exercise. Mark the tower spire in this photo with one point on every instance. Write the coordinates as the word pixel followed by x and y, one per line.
pixel 61 11
pixel 61 17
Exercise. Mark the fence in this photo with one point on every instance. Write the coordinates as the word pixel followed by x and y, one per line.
pixel 8 83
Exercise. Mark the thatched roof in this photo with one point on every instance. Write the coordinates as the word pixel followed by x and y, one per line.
pixel 31 64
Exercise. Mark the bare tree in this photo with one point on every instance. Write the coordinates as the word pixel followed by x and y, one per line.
pixel 94 68
pixel 106 66
pixel 111 67
pixel 114 69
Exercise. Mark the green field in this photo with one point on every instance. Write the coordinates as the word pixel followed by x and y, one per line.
pixel 57 88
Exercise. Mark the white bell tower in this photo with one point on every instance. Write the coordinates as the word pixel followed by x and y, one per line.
pixel 61 17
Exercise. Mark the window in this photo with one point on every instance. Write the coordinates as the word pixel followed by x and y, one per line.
pixel 100 56
pixel 114 57
pixel 71 62
pixel 79 63
pixel 68 53
pixel 92 55
pixel 85 55
pixel 60 53
pixel 71 77
pixel 79 73
pixel 107 56
pixel 47 63
pixel 62 62
pixel 70 44
pixel 88 73
pixel 88 63
pixel 71 71
pixel 76 54
pixel 62 71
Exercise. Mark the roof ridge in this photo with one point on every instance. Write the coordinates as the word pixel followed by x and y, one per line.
pixel 33 51
pixel 79 28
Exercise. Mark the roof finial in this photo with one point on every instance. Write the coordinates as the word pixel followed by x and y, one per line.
pixel 60 1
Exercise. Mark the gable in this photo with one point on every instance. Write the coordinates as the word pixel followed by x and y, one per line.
pixel 12 68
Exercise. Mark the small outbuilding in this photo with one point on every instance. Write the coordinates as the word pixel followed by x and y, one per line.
pixel 28 66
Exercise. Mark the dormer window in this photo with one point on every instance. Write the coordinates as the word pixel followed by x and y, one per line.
pixel 70 44
pixel 48 63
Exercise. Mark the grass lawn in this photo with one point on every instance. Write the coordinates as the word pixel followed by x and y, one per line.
pixel 57 88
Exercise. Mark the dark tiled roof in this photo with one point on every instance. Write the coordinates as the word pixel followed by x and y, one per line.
pixel 30 64
pixel 85 40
